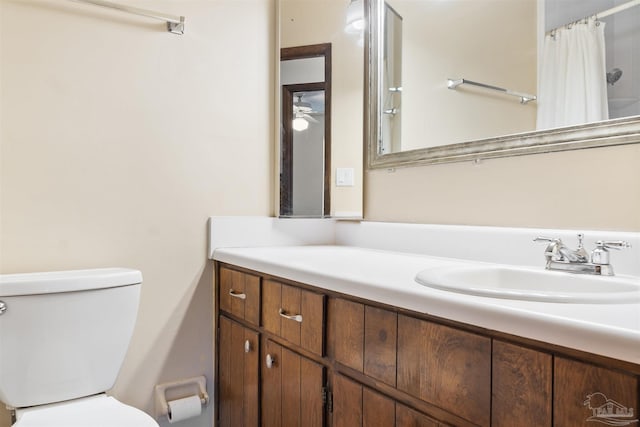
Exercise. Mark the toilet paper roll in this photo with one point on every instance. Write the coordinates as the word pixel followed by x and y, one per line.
pixel 182 409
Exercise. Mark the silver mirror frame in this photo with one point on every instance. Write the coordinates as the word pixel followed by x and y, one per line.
pixel 600 134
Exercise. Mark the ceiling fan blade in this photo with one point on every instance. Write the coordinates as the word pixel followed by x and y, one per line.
pixel 308 117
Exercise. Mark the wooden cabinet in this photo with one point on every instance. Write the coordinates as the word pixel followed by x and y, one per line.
pixel 292 388
pixel 587 395
pixel 407 417
pixel 239 295
pixel 238 359
pixel 346 333
pixel 295 314
pixel 446 367
pixel 289 354
pixel 363 338
pixel 521 391
pixel 358 406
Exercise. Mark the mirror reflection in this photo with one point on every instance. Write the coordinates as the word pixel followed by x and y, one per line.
pixel 337 26
pixel 461 70
pixel 303 150
pixel 305 143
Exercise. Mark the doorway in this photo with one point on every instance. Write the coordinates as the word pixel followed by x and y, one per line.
pixel 305 154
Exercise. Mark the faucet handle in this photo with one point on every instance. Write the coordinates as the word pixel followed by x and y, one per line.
pixel 600 255
pixel 547 239
pixel 553 250
pixel 612 244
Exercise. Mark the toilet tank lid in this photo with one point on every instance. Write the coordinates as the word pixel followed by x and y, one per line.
pixel 67 281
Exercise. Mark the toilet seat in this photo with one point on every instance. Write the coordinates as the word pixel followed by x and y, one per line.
pixel 94 411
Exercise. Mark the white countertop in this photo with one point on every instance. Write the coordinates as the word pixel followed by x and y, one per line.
pixel 611 330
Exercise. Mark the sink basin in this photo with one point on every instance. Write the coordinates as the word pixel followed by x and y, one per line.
pixel 531 285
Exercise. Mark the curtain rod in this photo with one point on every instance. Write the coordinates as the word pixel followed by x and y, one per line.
pixel 619 8
pixel 175 24
pixel 604 13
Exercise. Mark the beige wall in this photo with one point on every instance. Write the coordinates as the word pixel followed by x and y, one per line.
pixel 489 41
pixel 305 22
pixel 119 140
pixel 586 189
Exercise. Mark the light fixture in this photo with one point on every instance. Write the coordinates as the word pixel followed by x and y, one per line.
pixel 300 124
pixel 355 17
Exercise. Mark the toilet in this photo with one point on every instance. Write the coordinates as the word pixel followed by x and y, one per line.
pixel 63 338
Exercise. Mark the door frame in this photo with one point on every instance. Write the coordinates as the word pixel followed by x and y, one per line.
pixel 286 150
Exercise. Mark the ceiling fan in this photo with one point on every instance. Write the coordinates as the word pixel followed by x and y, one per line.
pixel 302 109
pixel 302 112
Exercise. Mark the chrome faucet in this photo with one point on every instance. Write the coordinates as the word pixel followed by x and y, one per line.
pixel 562 258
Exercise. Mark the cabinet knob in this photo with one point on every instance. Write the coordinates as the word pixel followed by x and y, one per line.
pixel 296 317
pixel 237 294
pixel 271 361
pixel 247 346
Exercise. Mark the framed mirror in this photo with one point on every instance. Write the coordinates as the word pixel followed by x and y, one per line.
pixel 310 24
pixel 305 143
pixel 464 80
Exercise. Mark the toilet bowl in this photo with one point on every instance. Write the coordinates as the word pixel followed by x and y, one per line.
pixel 94 411
pixel 64 336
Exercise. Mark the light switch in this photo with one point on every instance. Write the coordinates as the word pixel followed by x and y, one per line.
pixel 344 177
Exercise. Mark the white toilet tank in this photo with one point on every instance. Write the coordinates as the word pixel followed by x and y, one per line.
pixel 64 335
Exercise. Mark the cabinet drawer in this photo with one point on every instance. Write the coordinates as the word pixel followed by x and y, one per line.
pixel 587 395
pixel 295 314
pixel 240 294
pixel 446 367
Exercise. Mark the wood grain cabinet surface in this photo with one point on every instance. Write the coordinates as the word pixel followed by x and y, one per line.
pixel 295 314
pixel 237 375
pixel 358 406
pixel 240 295
pixel 588 395
pixel 291 389
pixel 521 391
pixel 446 367
pixel 293 355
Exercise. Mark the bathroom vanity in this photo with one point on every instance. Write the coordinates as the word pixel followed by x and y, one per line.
pixel 344 336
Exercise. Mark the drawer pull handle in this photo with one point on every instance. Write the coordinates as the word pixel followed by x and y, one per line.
pixel 237 294
pixel 296 317
pixel 247 346
pixel 270 361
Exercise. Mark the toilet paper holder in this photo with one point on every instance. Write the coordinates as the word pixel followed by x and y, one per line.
pixel 177 390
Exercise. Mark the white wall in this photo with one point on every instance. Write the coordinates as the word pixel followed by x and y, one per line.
pixel 118 140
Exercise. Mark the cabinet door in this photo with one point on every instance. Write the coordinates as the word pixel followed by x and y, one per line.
pixel 407 417
pixel 446 367
pixel 358 406
pixel 240 294
pixel 345 339
pixel 521 386
pixel 363 338
pixel 294 314
pixel 237 375
pixel 291 389
pixel 380 341
pixel 587 395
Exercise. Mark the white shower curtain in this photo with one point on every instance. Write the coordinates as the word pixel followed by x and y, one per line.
pixel 573 82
